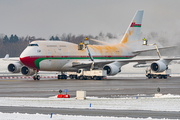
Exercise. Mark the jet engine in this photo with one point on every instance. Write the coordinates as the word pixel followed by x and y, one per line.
pixel 14 67
pixel 159 66
pixel 27 71
pixel 112 68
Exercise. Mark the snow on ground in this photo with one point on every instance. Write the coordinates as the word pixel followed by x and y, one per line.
pixel 19 116
pixel 166 102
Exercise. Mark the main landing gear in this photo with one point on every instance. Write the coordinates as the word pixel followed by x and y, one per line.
pixel 36 76
pixel 62 76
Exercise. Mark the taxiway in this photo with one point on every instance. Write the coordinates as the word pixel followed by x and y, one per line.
pixel 109 88
pixel 116 87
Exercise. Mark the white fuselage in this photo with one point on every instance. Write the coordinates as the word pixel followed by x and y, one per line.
pixel 60 55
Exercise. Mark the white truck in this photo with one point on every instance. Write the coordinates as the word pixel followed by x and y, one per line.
pixel 152 74
pixel 91 74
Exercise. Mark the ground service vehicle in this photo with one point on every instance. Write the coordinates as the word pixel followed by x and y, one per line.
pixel 152 74
pixel 91 74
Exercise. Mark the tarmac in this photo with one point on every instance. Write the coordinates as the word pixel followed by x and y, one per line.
pixel 93 112
pixel 112 88
pixel 98 88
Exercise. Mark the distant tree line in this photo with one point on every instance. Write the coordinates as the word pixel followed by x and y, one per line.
pixel 12 39
pixel 14 45
pixel 77 39
pixel 70 38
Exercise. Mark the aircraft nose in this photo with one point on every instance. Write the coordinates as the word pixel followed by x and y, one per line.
pixel 29 62
pixel 27 59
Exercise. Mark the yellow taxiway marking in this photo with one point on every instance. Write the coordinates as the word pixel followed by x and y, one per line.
pixel 10 80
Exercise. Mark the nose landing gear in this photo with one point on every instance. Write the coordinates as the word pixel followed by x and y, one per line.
pixel 36 76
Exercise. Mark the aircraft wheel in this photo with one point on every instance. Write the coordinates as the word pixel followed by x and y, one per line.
pixel 38 77
pixel 65 76
pixel 81 77
pixel 58 77
pixel 34 77
pixel 74 77
pixel 61 77
pixel 149 76
pixel 165 77
pixel 160 77
pixel 71 76
pixel 89 78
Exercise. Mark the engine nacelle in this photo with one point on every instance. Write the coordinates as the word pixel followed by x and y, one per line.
pixel 14 67
pixel 112 69
pixel 27 71
pixel 158 66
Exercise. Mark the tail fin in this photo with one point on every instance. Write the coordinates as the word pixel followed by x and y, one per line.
pixel 7 56
pixel 133 32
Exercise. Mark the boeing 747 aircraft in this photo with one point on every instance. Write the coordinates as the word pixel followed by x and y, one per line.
pixel 64 56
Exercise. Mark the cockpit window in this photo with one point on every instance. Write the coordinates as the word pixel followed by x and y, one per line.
pixel 33 45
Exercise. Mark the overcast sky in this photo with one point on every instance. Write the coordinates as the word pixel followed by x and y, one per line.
pixel 43 18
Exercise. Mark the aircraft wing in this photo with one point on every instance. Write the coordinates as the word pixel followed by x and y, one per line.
pixel 148 59
pixel 83 64
pixel 5 72
pixel 145 50
pixel 172 58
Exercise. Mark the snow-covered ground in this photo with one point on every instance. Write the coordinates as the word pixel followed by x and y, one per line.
pixel 166 102
pixel 19 116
